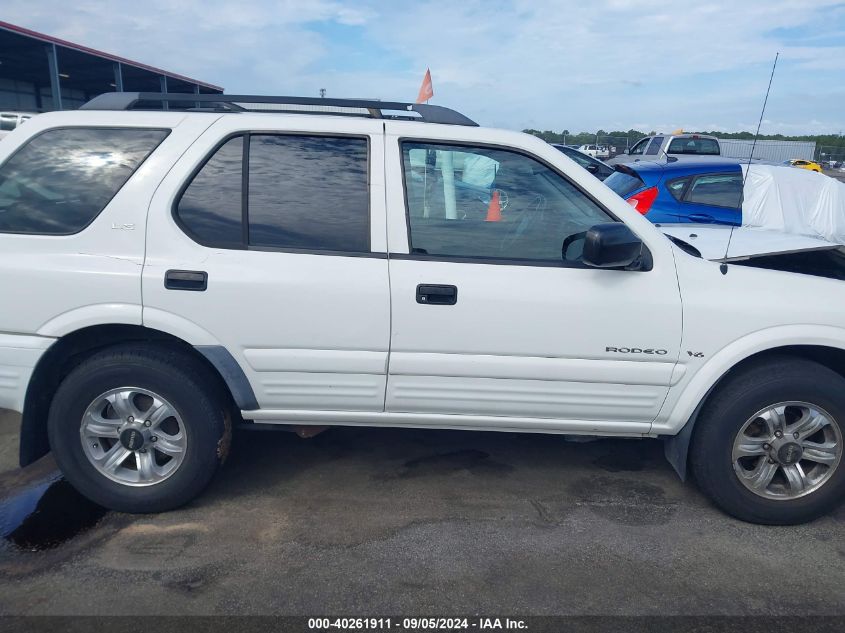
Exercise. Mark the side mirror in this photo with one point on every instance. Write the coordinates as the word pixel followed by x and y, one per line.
pixel 611 245
pixel 627 151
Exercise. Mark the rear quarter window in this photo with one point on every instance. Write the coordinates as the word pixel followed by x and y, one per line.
pixel 695 146
pixel 623 183
pixel 60 180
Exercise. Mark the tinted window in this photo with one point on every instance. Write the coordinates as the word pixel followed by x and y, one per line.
pixel 60 180
pixel 308 192
pixel 623 183
pixel 489 203
pixel 676 187
pixel 210 208
pixel 654 148
pixel 639 148
pixel 720 190
pixel 689 145
pixel 304 192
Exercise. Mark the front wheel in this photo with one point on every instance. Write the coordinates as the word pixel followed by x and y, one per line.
pixel 136 428
pixel 767 447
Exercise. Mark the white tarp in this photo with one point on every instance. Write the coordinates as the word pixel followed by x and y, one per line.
pixel 795 201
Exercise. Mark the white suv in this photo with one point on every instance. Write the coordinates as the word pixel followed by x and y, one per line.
pixel 165 274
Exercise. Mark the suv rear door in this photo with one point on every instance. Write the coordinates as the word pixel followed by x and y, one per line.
pixel 490 327
pixel 267 242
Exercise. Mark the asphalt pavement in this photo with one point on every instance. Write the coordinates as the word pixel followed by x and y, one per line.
pixel 386 521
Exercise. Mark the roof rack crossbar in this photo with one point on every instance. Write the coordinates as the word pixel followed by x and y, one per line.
pixel 238 103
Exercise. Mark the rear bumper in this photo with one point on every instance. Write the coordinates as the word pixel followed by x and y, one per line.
pixel 19 354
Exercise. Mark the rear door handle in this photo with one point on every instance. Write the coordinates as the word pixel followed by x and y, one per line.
pixel 703 218
pixel 435 294
pixel 196 280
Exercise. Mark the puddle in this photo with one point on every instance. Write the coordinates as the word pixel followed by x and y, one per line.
pixel 44 513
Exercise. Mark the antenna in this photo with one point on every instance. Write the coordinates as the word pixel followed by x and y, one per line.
pixel 724 266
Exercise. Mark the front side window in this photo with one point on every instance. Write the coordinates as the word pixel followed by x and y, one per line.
pixel 718 190
pixel 302 193
pixel 474 202
pixel 639 148
pixel 59 181
pixel 654 148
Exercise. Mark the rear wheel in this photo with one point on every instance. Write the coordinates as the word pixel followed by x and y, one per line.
pixel 136 428
pixel 768 445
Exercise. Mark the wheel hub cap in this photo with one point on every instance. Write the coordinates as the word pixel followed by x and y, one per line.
pixel 789 453
pixel 787 450
pixel 133 436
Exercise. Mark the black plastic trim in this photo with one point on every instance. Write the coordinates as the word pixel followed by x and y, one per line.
pixel 232 374
pixel 189 280
pixel 427 113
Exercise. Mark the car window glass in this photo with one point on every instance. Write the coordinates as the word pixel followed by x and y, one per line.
pixel 720 190
pixel 210 208
pixel 691 145
pixel 624 183
pixel 311 192
pixel 524 213
pixel 639 148
pixel 654 147
pixel 59 181
pixel 676 187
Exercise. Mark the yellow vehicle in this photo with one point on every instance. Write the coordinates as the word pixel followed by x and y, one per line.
pixel 804 164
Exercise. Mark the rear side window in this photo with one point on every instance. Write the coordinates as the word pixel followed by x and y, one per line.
pixel 297 193
pixel 654 148
pixel 58 182
pixel 718 190
pixel 308 192
pixel 624 183
pixel 697 146
pixel 210 208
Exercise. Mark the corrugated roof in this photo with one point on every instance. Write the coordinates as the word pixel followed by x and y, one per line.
pixel 92 51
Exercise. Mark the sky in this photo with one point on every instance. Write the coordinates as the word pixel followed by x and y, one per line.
pixel 544 64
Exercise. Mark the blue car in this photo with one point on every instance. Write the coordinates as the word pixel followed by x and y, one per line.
pixel 703 192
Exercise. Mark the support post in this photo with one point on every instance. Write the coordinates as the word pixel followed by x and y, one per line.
pixel 163 83
pixel 55 86
pixel 118 77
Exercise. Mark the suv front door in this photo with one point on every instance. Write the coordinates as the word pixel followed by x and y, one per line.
pixel 267 241
pixel 490 326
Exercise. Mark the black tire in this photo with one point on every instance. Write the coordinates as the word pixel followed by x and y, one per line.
pixel 183 381
pixel 752 389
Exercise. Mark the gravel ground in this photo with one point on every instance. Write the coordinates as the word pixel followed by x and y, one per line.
pixel 387 521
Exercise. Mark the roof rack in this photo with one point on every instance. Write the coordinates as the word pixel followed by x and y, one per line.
pixel 300 105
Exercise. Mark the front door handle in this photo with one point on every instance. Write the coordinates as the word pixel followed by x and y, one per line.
pixel 702 218
pixel 196 280
pixel 436 294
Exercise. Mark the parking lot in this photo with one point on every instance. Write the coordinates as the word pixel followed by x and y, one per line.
pixel 369 521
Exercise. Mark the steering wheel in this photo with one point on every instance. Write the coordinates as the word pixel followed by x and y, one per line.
pixel 525 220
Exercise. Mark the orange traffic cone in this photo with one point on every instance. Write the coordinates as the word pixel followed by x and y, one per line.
pixel 494 211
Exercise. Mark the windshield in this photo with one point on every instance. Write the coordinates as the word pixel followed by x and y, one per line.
pixel 624 183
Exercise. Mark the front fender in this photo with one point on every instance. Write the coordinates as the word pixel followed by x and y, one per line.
pixel 697 383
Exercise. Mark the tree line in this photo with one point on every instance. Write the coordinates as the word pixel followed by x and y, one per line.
pixel 584 138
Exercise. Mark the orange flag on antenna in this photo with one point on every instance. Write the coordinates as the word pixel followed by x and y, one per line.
pixel 426 89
